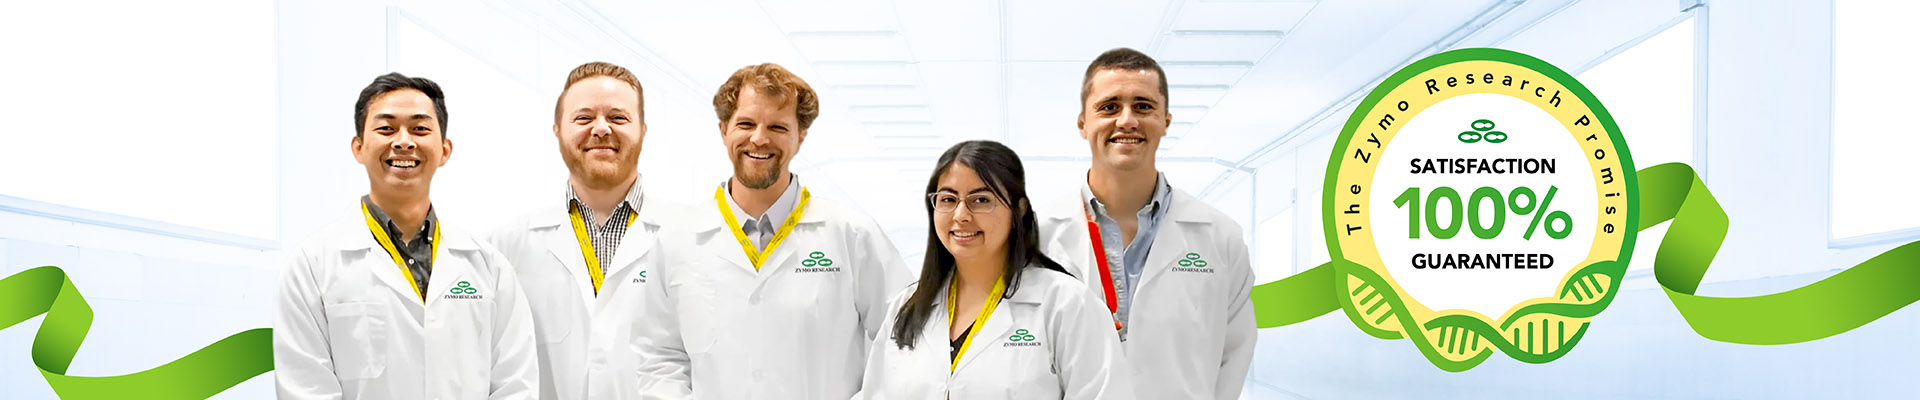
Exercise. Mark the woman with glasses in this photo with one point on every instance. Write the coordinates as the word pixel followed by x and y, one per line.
pixel 1005 321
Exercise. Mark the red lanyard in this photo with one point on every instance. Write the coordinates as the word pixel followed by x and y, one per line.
pixel 1106 271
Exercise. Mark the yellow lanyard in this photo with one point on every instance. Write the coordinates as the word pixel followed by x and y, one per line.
pixel 380 234
pixel 733 224
pixel 986 310
pixel 586 246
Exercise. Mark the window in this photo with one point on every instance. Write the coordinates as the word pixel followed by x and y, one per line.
pixel 1873 184
pixel 1275 248
pixel 155 110
pixel 1649 90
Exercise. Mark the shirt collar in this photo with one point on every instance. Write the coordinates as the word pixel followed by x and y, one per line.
pixel 1156 206
pixel 632 202
pixel 393 231
pixel 781 208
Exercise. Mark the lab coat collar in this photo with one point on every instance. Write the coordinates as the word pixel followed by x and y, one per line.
pixel 565 247
pixel 810 213
pixel 1027 292
pixel 354 238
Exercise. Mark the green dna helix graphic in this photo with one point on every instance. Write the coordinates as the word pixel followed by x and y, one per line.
pixel 201 374
pixel 1673 193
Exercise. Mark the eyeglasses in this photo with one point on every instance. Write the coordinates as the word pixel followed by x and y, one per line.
pixel 981 203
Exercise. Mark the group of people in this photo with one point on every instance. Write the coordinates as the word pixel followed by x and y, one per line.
pixel 1128 289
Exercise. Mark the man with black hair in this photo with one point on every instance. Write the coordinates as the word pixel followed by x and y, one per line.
pixel 393 305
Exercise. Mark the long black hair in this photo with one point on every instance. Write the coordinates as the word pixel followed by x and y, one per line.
pixel 999 167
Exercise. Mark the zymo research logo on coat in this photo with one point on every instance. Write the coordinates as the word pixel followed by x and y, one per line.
pixel 817 262
pixel 463 291
pixel 1192 263
pixel 1021 338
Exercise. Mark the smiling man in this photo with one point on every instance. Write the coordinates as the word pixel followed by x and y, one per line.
pixel 768 293
pixel 395 304
pixel 584 258
pixel 1173 271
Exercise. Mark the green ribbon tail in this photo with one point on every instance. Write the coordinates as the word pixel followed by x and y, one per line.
pixel 1296 299
pixel 1837 304
pixel 201 374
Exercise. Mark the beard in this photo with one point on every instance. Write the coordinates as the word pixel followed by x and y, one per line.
pixel 602 172
pixel 765 179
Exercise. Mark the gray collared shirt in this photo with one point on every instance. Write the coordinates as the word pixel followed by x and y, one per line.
pixel 761 228
pixel 1127 263
pixel 417 253
pixel 606 237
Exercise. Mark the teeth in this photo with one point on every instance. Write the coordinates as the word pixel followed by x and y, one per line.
pixel 760 156
pixel 1128 140
pixel 403 163
pixel 966 234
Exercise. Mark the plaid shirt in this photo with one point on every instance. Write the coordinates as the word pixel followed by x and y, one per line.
pixel 418 254
pixel 606 237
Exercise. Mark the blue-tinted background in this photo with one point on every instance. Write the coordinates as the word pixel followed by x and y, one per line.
pixel 165 153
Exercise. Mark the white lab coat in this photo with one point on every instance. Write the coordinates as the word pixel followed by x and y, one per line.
pixel 1191 330
pixel 585 340
pixel 346 324
pixel 1068 350
pixel 718 329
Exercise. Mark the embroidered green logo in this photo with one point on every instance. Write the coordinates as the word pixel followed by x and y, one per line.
pixel 463 288
pixel 817 259
pixel 1020 335
pixel 1193 260
pixel 643 274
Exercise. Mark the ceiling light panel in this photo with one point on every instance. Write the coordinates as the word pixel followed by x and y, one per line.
pixel 1242 46
pixel 869 46
pixel 799 16
pixel 865 72
pixel 1196 94
pixel 890 112
pixel 1276 16
pixel 1205 73
pixel 867 94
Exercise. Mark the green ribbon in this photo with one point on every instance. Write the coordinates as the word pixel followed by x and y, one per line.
pixel 1671 192
pixel 208 371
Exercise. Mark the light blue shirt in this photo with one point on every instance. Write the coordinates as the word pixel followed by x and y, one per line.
pixel 1126 263
pixel 761 228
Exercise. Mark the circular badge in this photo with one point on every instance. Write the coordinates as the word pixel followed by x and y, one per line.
pixel 1479 199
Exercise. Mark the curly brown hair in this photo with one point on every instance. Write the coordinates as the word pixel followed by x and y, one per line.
pixel 772 80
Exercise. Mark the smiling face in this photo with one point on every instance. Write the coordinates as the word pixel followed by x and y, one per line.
pixel 970 235
pixel 599 130
pixel 1123 118
pixel 761 137
pixel 401 144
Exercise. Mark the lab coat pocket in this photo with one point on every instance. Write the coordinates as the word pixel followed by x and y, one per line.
pixel 696 306
pixel 555 313
pixel 358 339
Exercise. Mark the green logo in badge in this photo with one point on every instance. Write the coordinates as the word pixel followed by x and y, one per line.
pixel 816 259
pixel 1480 132
pixel 463 288
pixel 1020 335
